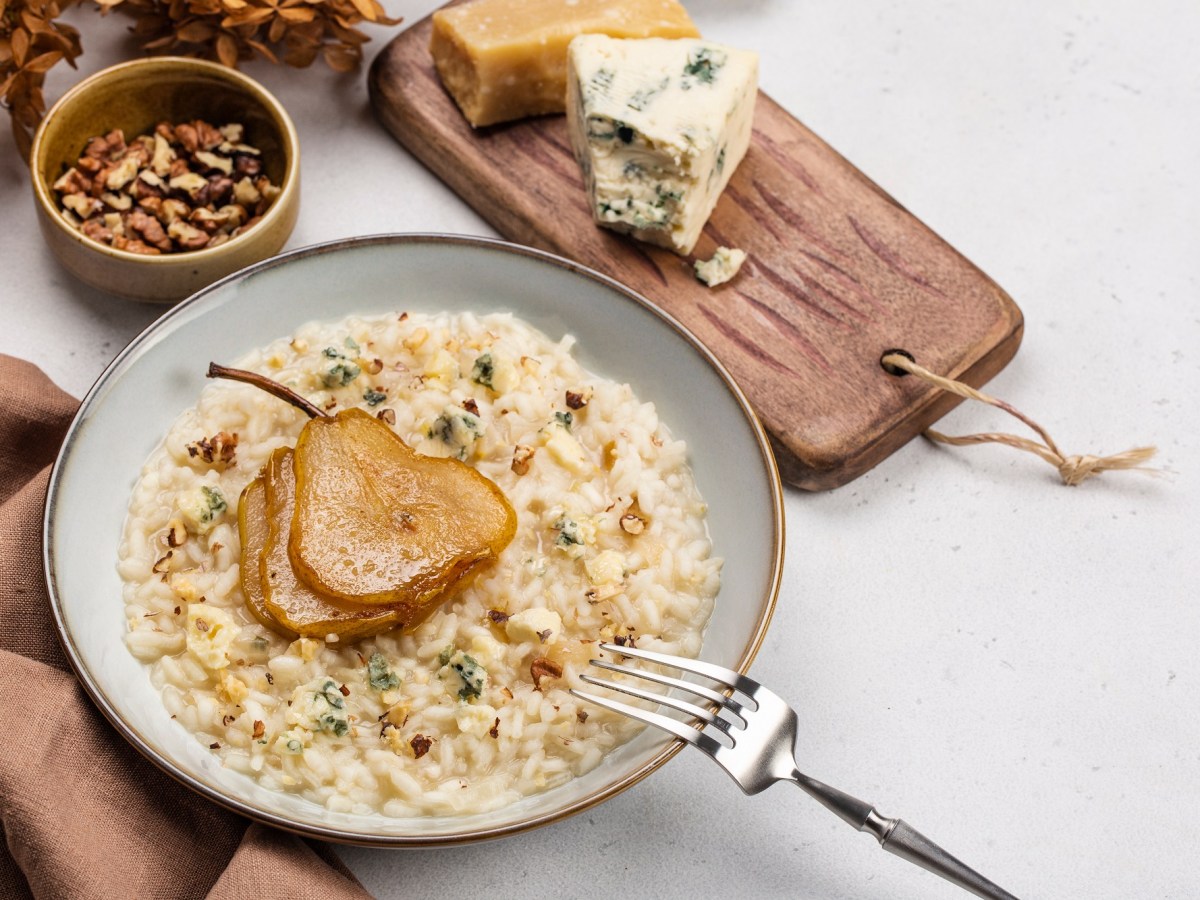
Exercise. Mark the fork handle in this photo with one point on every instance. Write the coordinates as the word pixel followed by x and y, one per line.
pixel 898 837
pixel 906 842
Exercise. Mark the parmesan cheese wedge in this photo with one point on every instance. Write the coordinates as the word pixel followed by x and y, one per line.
pixel 503 60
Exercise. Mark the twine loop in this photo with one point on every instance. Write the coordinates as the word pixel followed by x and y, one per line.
pixel 1074 469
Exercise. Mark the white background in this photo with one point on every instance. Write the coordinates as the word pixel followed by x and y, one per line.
pixel 1010 664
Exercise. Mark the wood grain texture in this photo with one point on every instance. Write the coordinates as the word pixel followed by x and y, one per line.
pixel 837 274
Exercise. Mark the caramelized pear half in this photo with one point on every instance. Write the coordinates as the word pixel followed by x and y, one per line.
pixel 252 529
pixel 291 602
pixel 377 523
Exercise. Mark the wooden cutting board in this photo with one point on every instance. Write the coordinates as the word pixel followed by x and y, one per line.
pixel 838 272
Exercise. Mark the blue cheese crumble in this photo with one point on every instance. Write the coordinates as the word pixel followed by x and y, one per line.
pixel 723 266
pixel 467 678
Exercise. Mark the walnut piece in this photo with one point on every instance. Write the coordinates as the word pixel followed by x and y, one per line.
pixel 420 745
pixel 216 450
pixel 580 398
pixel 183 187
pixel 522 455
pixel 543 667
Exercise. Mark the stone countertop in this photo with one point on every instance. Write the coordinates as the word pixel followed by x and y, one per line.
pixel 1010 664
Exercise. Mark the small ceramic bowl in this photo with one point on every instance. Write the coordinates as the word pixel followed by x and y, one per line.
pixel 136 96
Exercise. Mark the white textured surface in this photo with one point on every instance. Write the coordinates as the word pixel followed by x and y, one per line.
pixel 1009 664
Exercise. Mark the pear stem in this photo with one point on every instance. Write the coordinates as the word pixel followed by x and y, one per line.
pixel 274 388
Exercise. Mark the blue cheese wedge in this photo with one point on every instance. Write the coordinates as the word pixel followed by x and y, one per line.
pixel 658 127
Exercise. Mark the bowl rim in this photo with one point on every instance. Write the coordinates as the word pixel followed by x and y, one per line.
pixel 329 832
pixel 43 191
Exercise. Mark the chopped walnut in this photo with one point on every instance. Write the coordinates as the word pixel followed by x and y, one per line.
pixel 183 187
pixel 216 450
pixel 420 745
pixel 118 202
pixel 97 230
pixel 82 205
pixel 542 667
pixel 186 135
pixel 149 228
pixel 108 147
pixel 133 245
pixel 73 182
pixel 187 236
pixel 579 399
pixel 522 456
pixel 176 533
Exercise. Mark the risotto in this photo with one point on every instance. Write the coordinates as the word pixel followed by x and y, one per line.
pixel 471 710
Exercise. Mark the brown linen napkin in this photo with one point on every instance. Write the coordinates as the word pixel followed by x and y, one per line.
pixel 84 814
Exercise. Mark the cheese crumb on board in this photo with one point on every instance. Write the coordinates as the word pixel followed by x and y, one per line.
pixel 501 60
pixel 725 264
pixel 658 127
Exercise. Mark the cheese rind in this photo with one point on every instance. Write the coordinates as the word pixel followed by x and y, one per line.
pixel 502 60
pixel 658 127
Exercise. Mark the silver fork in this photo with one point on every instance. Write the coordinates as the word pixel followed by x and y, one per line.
pixel 760 749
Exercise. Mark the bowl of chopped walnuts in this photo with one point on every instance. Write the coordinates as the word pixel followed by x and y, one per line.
pixel 157 177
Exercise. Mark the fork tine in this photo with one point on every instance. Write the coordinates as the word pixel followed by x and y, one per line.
pixel 667 681
pixel 682 706
pixel 666 723
pixel 727 677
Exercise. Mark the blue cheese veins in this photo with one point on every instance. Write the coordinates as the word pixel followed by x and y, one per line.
pixel 658 127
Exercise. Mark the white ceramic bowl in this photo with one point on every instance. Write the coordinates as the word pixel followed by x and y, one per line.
pixel 161 373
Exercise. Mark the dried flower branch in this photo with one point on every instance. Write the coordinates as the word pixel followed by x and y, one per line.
pixel 228 31
pixel 31 43
pixel 233 31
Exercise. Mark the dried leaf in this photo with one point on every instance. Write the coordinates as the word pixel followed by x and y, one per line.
pixel 20 46
pixel 366 9
pixel 42 64
pixel 227 50
pixel 297 15
pixel 341 59
pixel 295 32
pixel 160 44
pixel 263 49
pixel 300 56
pixel 195 32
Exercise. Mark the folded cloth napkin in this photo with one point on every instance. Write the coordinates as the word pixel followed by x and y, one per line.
pixel 83 814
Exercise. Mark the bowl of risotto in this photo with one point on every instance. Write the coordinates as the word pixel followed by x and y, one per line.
pixel 645 504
